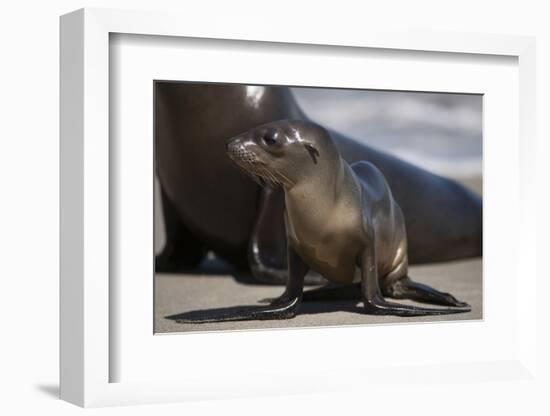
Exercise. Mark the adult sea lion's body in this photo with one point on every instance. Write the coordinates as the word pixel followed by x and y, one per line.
pixel 341 221
pixel 207 204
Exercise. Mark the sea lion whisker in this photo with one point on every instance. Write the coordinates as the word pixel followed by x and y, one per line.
pixel 262 177
pixel 285 178
pixel 249 172
pixel 258 174
pixel 281 178
pixel 275 180
pixel 269 174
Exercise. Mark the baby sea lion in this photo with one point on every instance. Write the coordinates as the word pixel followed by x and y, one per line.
pixel 341 221
pixel 243 223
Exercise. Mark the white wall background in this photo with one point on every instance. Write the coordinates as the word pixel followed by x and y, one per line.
pixel 29 209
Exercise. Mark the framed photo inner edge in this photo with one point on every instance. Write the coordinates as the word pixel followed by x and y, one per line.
pixel 85 265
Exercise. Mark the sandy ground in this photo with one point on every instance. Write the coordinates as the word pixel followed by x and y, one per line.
pixel 177 293
pixel 215 287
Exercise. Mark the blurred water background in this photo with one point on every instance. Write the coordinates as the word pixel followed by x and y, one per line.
pixel 438 131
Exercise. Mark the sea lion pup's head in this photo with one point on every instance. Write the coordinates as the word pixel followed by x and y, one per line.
pixel 284 152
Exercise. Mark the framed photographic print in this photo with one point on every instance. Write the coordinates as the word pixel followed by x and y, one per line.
pixel 237 209
pixel 238 226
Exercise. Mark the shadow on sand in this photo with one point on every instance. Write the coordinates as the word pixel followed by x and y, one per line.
pixel 305 309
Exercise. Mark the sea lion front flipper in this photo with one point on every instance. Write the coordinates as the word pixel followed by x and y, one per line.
pixel 284 307
pixel 268 244
pixel 375 304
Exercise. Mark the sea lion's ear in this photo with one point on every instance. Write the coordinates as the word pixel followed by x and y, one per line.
pixel 312 150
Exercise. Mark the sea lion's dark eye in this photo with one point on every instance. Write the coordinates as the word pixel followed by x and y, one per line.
pixel 270 138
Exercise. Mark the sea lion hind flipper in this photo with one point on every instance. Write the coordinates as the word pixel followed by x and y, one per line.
pixel 284 309
pixel 375 304
pixel 383 307
pixel 405 288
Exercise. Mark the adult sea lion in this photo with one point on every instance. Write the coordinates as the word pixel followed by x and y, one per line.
pixel 341 221
pixel 209 205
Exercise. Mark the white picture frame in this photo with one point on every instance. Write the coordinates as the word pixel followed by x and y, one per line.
pixel 87 356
